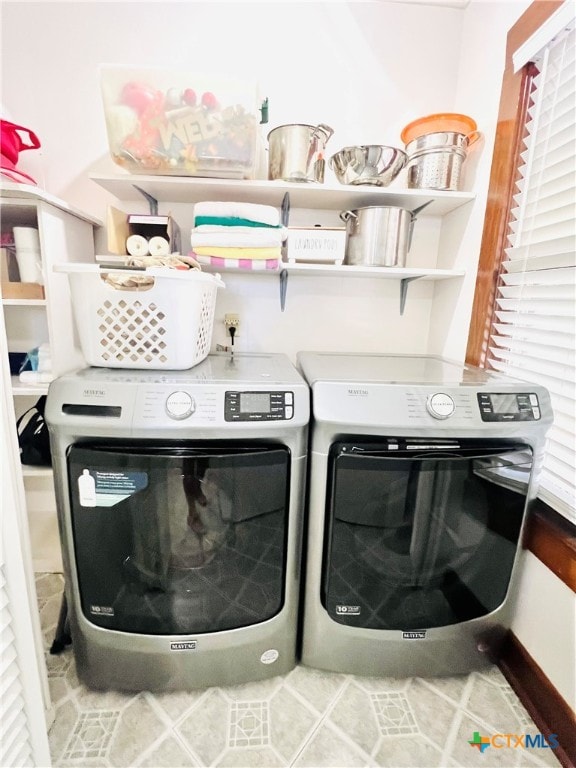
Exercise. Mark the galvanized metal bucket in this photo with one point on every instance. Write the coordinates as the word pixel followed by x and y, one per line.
pixel 297 152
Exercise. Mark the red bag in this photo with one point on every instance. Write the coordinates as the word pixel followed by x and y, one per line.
pixel 13 140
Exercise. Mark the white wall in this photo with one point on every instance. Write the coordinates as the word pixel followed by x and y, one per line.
pixel 545 623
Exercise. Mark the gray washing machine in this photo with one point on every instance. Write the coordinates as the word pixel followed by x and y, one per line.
pixel 421 473
pixel 180 505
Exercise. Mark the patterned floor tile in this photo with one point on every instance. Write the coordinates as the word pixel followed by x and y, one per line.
pixel 248 724
pixel 408 752
pixel 66 716
pixel 317 687
pixel 394 714
pixel 292 722
pixel 326 749
pixel 91 736
pixel 433 713
pixel 137 729
pixel 488 702
pixel 176 704
pixel 250 758
pixel 205 729
pixel 356 715
pixel 169 753
pixel 48 585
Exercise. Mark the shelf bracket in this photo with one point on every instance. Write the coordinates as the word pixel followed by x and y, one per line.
pixel 404 290
pixel 283 287
pixel 152 202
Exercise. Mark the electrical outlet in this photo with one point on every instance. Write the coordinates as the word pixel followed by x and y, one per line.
pixel 232 321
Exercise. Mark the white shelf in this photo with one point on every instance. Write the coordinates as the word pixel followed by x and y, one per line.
pixel 29 471
pixel 35 194
pixel 345 270
pixel 188 189
pixel 22 389
pixel 24 302
pixel 384 273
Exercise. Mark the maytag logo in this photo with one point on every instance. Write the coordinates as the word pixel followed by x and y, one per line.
pixel 358 392
pixel 189 645
pixel 418 635
pixel 94 393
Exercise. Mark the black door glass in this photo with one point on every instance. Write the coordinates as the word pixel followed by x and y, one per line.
pixel 179 541
pixel 422 538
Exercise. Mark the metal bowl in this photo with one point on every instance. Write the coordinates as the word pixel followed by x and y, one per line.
pixel 374 164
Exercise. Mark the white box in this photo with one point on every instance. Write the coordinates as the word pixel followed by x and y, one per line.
pixel 325 245
pixel 121 225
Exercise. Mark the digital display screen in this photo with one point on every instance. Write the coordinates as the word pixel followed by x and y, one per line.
pixel 255 402
pixel 505 403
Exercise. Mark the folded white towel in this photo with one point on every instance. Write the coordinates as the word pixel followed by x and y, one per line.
pixel 219 228
pixel 254 238
pixel 266 214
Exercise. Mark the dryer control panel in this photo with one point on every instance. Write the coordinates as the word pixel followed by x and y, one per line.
pixel 258 406
pixel 509 406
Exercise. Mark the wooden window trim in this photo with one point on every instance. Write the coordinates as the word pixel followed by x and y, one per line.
pixel 550 537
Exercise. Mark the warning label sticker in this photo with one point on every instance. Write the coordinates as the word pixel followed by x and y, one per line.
pixel 98 488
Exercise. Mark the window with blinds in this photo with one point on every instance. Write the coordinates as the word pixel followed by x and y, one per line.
pixel 534 326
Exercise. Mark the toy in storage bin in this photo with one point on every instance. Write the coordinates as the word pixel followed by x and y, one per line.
pixel 153 317
pixel 182 123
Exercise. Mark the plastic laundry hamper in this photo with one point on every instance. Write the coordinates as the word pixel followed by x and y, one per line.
pixel 164 322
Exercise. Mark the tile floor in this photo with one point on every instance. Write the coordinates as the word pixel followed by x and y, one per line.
pixel 308 719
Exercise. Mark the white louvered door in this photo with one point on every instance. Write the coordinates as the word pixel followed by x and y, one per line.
pixel 534 329
pixel 24 695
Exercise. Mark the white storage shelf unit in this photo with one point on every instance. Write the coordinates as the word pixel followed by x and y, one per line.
pixel 65 235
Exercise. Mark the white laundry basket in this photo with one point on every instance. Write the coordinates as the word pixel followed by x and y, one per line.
pixel 165 323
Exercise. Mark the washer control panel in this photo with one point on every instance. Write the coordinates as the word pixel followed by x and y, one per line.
pixel 258 406
pixel 440 405
pixel 509 406
pixel 180 405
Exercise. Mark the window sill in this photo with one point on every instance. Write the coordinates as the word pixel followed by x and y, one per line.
pixel 552 539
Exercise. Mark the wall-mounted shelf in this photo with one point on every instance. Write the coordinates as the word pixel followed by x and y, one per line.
pixel 29 471
pixel 189 189
pixel 404 274
pixel 24 302
pixel 21 388
pixel 382 273
pixel 19 194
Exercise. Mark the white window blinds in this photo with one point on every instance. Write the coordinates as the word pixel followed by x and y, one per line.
pixel 534 329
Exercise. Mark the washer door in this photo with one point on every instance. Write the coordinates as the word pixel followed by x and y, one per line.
pixel 179 540
pixel 421 536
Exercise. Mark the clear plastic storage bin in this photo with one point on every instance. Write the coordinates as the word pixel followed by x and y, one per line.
pixel 164 321
pixel 181 123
